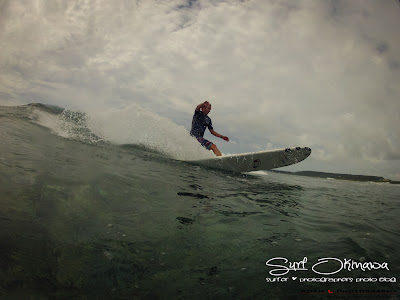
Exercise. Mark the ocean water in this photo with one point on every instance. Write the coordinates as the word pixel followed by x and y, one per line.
pixel 105 207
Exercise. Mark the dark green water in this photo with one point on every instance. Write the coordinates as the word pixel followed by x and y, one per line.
pixel 104 221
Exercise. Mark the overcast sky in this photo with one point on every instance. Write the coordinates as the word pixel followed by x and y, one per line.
pixel 279 73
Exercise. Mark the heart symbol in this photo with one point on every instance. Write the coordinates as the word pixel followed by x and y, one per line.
pixel 294 278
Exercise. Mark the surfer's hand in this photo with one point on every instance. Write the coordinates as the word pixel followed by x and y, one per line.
pixel 225 138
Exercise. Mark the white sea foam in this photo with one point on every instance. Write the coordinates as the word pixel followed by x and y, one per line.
pixel 137 125
pixel 259 173
pixel 130 125
pixel 50 121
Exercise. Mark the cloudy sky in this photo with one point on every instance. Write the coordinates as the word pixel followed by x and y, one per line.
pixel 279 73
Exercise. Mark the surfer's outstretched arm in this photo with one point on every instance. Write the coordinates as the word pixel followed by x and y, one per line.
pixel 225 138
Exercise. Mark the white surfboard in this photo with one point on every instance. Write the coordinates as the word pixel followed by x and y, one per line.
pixel 255 161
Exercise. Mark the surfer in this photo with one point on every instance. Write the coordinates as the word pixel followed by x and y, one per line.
pixel 200 122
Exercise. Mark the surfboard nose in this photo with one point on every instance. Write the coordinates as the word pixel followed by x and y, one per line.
pixel 308 151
